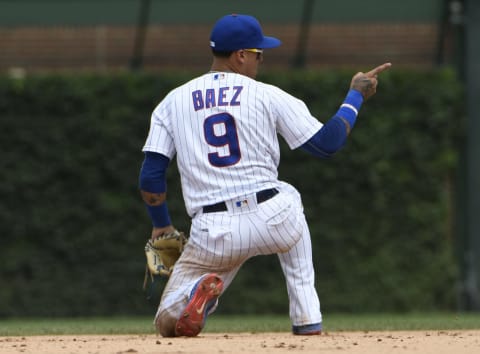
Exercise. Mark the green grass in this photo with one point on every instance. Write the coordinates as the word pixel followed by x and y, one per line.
pixel 223 323
pixel 351 322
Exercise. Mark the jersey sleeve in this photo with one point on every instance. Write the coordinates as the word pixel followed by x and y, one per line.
pixel 294 121
pixel 159 137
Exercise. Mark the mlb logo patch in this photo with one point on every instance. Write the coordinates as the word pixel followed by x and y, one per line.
pixel 219 76
pixel 240 203
pixel 244 204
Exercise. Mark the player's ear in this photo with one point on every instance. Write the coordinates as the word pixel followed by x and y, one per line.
pixel 240 55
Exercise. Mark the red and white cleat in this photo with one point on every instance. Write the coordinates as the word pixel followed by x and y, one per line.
pixel 204 296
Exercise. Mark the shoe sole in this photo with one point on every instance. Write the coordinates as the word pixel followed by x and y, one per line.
pixel 312 333
pixel 312 329
pixel 192 320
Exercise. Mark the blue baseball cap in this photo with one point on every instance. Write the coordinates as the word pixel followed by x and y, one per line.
pixel 235 32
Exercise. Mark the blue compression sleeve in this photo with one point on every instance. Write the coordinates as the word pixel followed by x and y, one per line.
pixel 330 138
pixel 152 179
pixel 333 135
pixel 152 174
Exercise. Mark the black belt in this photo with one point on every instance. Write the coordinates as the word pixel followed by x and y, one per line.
pixel 262 196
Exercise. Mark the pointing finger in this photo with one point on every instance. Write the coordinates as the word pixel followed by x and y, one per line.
pixel 378 70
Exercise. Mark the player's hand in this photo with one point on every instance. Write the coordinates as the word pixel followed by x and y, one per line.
pixel 366 83
pixel 159 231
pixel 162 253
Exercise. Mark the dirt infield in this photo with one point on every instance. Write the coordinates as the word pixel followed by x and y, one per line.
pixel 424 342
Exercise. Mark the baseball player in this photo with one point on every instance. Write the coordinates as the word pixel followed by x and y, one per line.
pixel 223 128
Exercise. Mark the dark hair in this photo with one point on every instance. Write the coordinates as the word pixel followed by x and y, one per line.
pixel 221 54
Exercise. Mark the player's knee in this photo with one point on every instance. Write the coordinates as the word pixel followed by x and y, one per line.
pixel 165 325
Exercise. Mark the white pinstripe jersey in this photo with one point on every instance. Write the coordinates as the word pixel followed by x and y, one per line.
pixel 223 128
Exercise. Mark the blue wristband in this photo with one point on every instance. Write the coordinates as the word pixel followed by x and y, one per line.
pixel 350 107
pixel 355 98
pixel 159 214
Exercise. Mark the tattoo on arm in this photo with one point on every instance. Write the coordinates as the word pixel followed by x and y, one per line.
pixel 153 198
pixel 364 85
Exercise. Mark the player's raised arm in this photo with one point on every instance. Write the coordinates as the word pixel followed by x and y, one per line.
pixel 332 136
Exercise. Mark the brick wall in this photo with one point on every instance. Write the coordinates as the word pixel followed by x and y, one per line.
pixel 103 48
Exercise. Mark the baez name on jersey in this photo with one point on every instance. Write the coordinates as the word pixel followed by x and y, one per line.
pixel 226 96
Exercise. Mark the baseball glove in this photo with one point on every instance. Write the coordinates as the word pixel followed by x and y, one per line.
pixel 162 253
